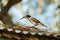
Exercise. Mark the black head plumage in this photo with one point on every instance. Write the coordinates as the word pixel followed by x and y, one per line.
pixel 28 16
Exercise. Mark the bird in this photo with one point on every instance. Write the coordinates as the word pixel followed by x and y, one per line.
pixel 33 20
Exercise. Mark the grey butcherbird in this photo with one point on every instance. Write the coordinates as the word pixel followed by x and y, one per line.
pixel 33 20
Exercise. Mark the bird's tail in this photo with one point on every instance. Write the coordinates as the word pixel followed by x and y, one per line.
pixel 43 25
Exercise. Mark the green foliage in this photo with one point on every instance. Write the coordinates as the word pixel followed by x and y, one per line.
pixel 5 39
pixel 1 4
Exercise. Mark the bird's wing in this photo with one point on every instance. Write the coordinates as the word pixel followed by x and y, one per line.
pixel 37 21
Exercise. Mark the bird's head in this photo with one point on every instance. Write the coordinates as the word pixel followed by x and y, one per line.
pixel 27 16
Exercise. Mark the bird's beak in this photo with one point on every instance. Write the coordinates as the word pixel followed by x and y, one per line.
pixel 22 17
